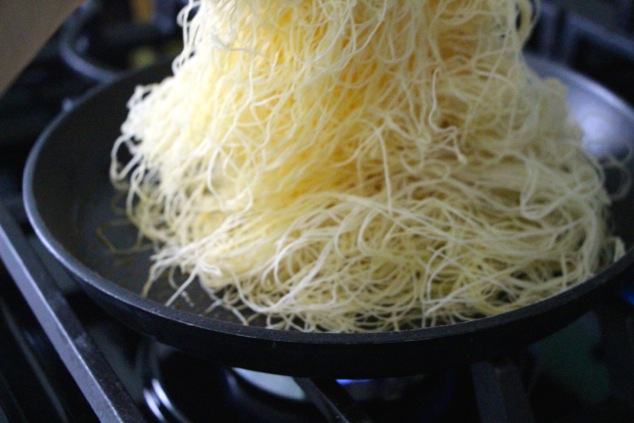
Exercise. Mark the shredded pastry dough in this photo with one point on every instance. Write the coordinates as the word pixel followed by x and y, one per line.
pixel 362 165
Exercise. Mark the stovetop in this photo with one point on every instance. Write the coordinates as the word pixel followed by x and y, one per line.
pixel 64 360
pixel 78 364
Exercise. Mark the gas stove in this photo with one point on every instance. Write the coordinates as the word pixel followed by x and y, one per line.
pixel 64 360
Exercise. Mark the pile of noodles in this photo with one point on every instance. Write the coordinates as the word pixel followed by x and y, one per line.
pixel 362 165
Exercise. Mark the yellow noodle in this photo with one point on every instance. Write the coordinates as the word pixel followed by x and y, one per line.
pixel 363 165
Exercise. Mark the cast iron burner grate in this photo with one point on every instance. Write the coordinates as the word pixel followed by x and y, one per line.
pixel 496 392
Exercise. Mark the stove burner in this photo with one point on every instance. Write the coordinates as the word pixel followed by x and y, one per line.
pixel 281 386
pixel 181 388
pixel 387 389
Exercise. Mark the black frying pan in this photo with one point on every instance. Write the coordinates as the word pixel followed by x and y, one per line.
pixel 68 196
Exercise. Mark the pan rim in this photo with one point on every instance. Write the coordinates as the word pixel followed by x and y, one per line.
pixel 137 302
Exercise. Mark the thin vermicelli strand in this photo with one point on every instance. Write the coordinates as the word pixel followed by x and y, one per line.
pixel 365 165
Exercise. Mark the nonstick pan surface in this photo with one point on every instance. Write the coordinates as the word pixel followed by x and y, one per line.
pixel 69 200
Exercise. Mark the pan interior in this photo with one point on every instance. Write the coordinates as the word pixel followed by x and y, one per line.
pixel 72 194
